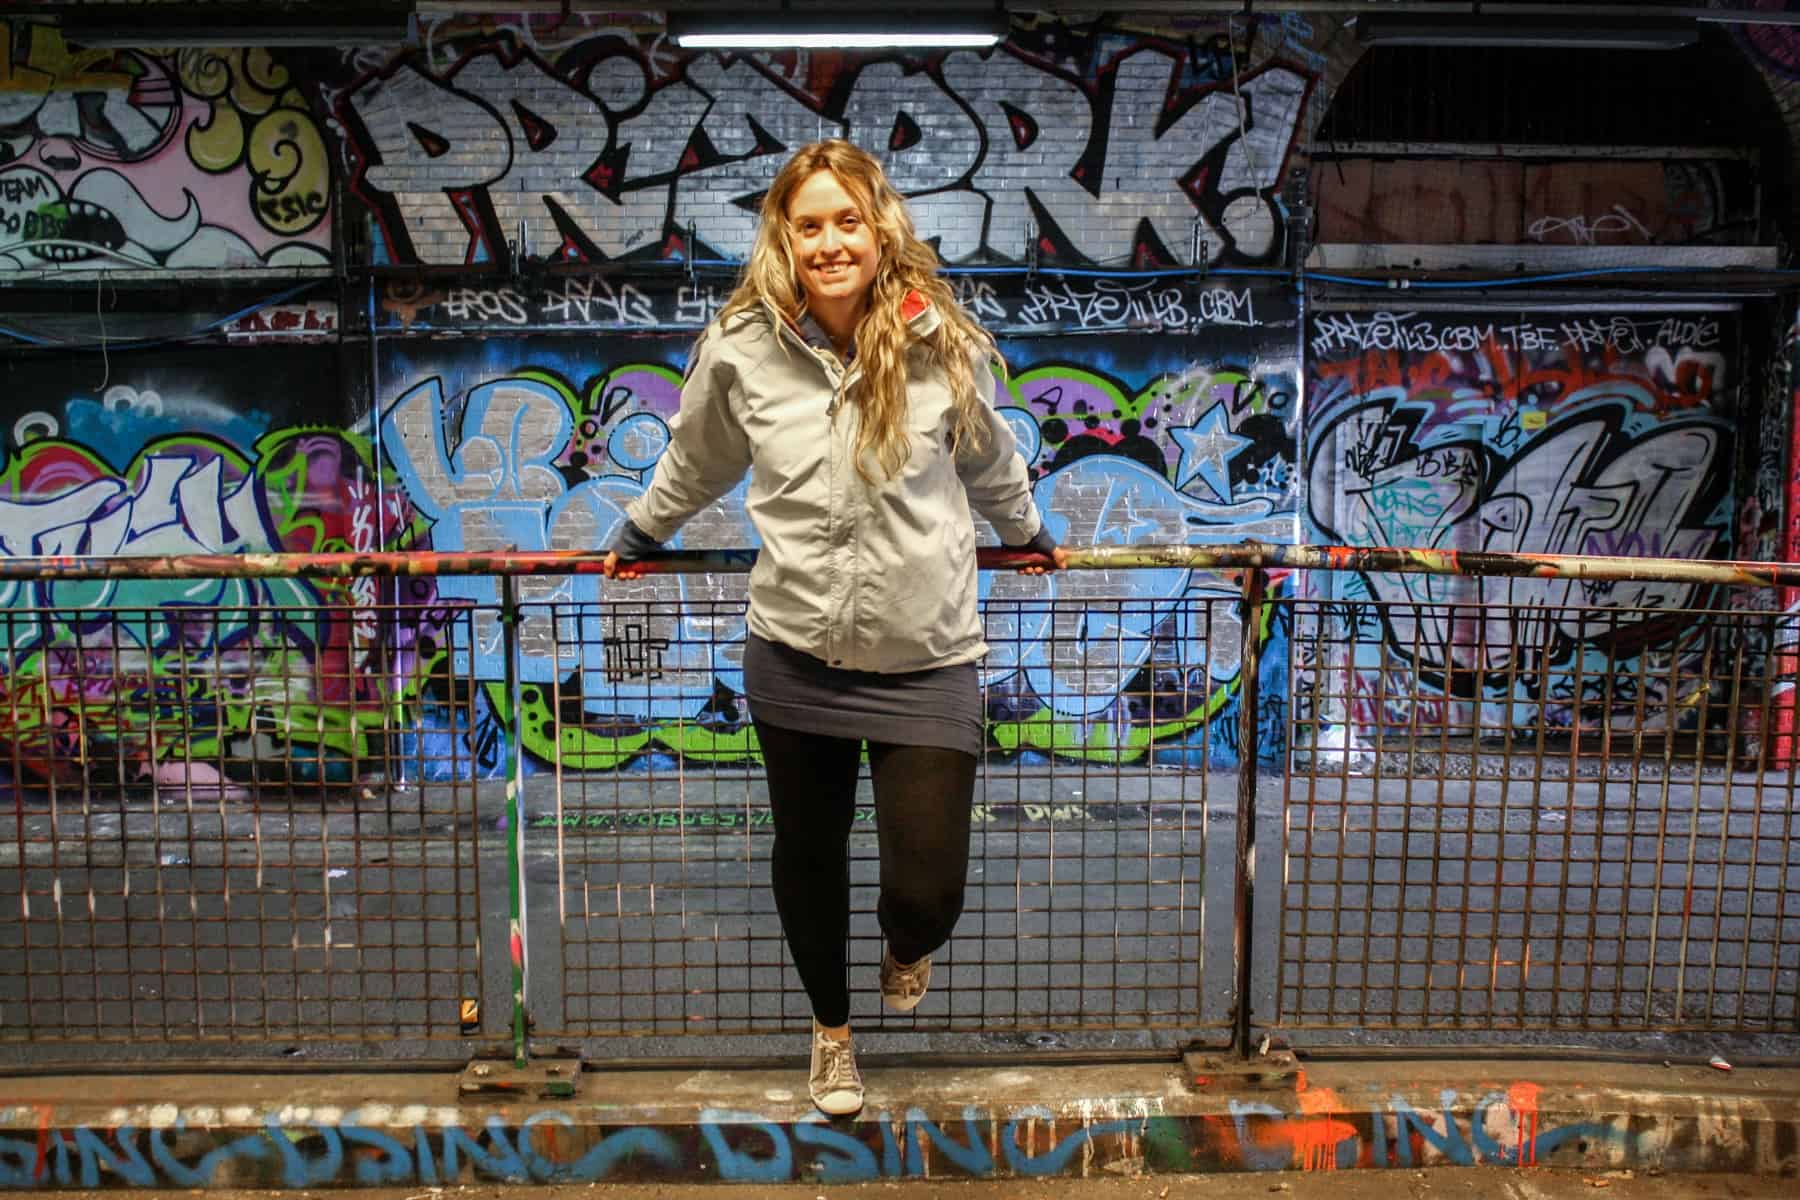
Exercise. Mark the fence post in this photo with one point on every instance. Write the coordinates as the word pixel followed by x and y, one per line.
pixel 515 814
pixel 1256 582
pixel 551 1076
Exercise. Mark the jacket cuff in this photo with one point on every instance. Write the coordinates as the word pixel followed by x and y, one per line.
pixel 1042 543
pixel 1019 531
pixel 632 542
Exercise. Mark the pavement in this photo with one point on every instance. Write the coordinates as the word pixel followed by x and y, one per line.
pixel 1020 1126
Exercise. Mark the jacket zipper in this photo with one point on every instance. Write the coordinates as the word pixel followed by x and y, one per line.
pixel 840 385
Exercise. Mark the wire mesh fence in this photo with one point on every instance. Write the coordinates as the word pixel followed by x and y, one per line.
pixel 1090 869
pixel 214 839
pixel 253 828
pixel 1533 832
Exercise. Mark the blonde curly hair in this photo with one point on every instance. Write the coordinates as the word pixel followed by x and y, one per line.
pixel 771 278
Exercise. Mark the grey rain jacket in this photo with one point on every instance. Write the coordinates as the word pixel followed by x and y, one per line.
pixel 866 577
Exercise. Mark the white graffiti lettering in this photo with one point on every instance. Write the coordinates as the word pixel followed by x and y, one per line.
pixel 1338 333
pixel 488 147
pixel 1106 304
pixel 1586 231
pixel 584 301
pixel 485 304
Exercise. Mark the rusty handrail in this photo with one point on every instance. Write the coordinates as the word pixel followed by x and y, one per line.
pixel 1244 555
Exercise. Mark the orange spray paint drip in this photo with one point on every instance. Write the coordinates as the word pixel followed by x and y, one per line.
pixel 1522 1098
pixel 41 1168
pixel 1315 1134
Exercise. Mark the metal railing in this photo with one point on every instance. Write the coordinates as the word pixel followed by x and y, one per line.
pixel 266 827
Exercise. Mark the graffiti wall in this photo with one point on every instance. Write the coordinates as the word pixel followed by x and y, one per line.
pixel 125 159
pixel 521 408
pixel 519 404
pixel 190 451
pixel 1604 433
pixel 538 442
pixel 579 141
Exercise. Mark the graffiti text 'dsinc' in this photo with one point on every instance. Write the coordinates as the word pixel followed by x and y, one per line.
pixel 298 1147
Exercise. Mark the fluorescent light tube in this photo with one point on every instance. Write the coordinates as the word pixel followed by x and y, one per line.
pixel 822 31
pixel 833 41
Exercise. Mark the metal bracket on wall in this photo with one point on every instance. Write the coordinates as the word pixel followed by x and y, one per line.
pixel 546 1077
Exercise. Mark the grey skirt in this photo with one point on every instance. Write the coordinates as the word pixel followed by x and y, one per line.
pixel 936 707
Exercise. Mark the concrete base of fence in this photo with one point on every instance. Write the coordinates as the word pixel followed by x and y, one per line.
pixel 1016 1120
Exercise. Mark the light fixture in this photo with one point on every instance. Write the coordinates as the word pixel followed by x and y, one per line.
pixel 1572 33
pixel 823 30
pixel 112 27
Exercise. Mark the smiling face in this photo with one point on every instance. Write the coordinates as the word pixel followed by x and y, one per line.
pixel 835 251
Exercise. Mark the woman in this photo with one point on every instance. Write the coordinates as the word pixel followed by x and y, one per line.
pixel 844 372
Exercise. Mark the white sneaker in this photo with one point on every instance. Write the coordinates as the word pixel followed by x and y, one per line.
pixel 836 1085
pixel 903 987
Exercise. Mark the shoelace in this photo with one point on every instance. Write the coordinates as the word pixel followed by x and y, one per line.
pixel 840 1064
pixel 909 978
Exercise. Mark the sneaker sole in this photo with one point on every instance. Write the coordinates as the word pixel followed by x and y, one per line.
pixel 838 1112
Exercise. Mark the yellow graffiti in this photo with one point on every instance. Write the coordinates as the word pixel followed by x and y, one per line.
pixel 205 73
pixel 216 142
pixel 256 120
pixel 50 66
pixel 260 80
pixel 292 170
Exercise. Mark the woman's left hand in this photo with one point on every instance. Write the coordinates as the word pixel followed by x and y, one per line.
pixel 1059 556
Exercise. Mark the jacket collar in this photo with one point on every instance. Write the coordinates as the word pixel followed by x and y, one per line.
pixel 920 314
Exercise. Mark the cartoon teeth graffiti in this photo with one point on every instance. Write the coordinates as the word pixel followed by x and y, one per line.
pixel 40 222
pixel 107 223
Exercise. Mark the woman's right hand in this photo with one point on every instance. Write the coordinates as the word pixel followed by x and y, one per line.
pixel 614 567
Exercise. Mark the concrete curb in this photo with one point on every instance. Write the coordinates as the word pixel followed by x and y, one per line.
pixel 350 1130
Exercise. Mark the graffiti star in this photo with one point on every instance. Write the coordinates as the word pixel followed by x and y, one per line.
pixel 1120 522
pixel 1206 446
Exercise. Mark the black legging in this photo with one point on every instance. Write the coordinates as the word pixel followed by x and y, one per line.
pixel 923 797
